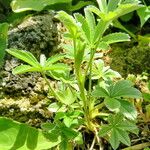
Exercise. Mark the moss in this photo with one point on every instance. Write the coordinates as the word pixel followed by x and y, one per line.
pixel 130 59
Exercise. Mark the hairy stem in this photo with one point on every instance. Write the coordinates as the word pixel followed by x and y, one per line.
pixel 79 76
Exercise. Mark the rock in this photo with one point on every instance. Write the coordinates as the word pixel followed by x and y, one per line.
pixel 21 109
pixel 37 34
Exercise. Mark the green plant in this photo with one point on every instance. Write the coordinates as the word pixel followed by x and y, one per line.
pixel 16 135
pixel 146 97
pixel 77 106
pixel 143 14
pixel 25 5
pixel 3 41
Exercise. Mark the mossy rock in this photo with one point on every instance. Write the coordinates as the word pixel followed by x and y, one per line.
pixel 26 109
pixel 128 58
pixel 37 34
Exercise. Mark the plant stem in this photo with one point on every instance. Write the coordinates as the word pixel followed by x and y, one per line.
pixel 90 73
pixel 98 140
pixel 93 143
pixel 99 106
pixel 138 146
pixel 81 82
pixel 79 76
pixel 104 26
pixel 89 64
pixel 50 87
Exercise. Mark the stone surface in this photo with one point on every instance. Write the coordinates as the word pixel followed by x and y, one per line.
pixel 23 109
pixel 37 34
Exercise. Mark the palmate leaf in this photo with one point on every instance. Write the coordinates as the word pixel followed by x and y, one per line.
pixel 55 131
pixel 117 131
pixel 19 136
pixel 118 11
pixel 116 37
pixel 69 133
pixel 67 96
pixel 25 56
pixel 90 30
pixel 24 5
pixel 120 89
pixel 113 95
pixel 128 109
pixel 62 75
pixel 52 130
pixel 100 71
pixel 34 65
pixel 124 88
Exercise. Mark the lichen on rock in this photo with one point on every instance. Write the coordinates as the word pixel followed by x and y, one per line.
pixel 37 34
